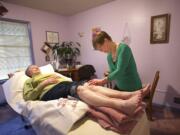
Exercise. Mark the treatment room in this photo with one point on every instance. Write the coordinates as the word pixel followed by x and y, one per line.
pixel 89 67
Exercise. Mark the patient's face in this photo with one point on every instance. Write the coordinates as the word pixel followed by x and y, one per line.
pixel 33 70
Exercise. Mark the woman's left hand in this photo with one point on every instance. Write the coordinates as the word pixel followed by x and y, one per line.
pixel 96 82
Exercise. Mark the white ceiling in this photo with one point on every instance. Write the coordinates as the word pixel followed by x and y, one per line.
pixel 62 7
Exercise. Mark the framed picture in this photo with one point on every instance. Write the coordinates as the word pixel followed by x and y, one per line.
pixel 46 48
pixel 52 37
pixel 160 26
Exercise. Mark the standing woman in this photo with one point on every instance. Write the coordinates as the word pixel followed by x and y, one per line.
pixel 121 63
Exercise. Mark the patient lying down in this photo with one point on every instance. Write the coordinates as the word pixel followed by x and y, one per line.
pixel 50 86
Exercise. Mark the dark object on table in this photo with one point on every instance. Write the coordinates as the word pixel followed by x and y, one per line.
pixel 86 72
pixel 3 10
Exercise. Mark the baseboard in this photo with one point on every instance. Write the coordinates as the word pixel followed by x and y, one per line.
pixel 161 97
pixel 3 104
pixel 161 91
pixel 169 107
pixel 2 96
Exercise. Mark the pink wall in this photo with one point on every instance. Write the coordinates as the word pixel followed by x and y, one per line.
pixel 112 18
pixel 40 23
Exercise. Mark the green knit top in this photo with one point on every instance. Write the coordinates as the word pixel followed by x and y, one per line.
pixel 124 70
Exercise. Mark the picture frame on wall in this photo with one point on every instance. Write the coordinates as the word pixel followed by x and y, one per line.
pixel 160 27
pixel 52 37
pixel 46 48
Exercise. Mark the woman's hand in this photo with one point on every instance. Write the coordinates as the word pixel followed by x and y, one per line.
pixel 96 82
pixel 106 73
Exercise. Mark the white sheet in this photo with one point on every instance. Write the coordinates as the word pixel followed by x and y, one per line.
pixel 46 117
pixel 50 118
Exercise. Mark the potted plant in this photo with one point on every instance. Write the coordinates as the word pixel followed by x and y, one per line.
pixel 67 53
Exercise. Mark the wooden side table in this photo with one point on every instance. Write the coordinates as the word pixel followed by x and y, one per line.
pixel 73 73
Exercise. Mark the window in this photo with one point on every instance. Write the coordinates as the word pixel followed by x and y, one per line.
pixel 15 46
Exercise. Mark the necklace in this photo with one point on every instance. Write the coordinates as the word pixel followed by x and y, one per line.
pixel 114 53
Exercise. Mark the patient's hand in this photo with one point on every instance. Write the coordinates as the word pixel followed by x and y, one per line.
pixel 55 76
pixel 47 82
pixel 51 80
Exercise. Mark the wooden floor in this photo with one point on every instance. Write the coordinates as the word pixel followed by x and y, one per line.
pixel 166 120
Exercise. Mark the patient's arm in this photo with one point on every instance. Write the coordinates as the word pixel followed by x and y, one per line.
pixel 31 93
pixel 47 82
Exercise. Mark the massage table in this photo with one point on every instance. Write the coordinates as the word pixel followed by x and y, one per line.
pixel 58 122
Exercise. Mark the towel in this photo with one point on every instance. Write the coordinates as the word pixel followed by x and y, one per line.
pixel 115 120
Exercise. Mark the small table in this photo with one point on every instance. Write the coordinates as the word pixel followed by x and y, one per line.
pixel 72 72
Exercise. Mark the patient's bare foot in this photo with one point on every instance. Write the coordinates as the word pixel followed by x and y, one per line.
pixel 144 91
pixel 140 108
pixel 132 104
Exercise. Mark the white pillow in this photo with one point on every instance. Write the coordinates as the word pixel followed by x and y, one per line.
pixel 47 69
pixel 13 88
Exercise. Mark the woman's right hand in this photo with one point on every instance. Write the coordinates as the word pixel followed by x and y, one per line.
pixel 96 82
pixel 106 73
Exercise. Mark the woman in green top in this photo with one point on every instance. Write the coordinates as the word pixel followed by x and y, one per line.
pixel 121 63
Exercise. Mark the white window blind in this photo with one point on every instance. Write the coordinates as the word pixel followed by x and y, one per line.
pixel 15 51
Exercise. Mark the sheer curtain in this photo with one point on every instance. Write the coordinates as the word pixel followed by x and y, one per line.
pixel 15 47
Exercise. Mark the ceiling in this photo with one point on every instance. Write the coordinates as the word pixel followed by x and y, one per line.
pixel 62 7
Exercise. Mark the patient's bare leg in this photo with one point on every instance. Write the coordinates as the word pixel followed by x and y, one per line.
pixel 118 94
pixel 97 99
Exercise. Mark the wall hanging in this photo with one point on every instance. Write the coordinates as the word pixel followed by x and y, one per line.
pixel 160 27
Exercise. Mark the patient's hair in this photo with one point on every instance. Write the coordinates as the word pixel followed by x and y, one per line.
pixel 99 39
pixel 27 71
